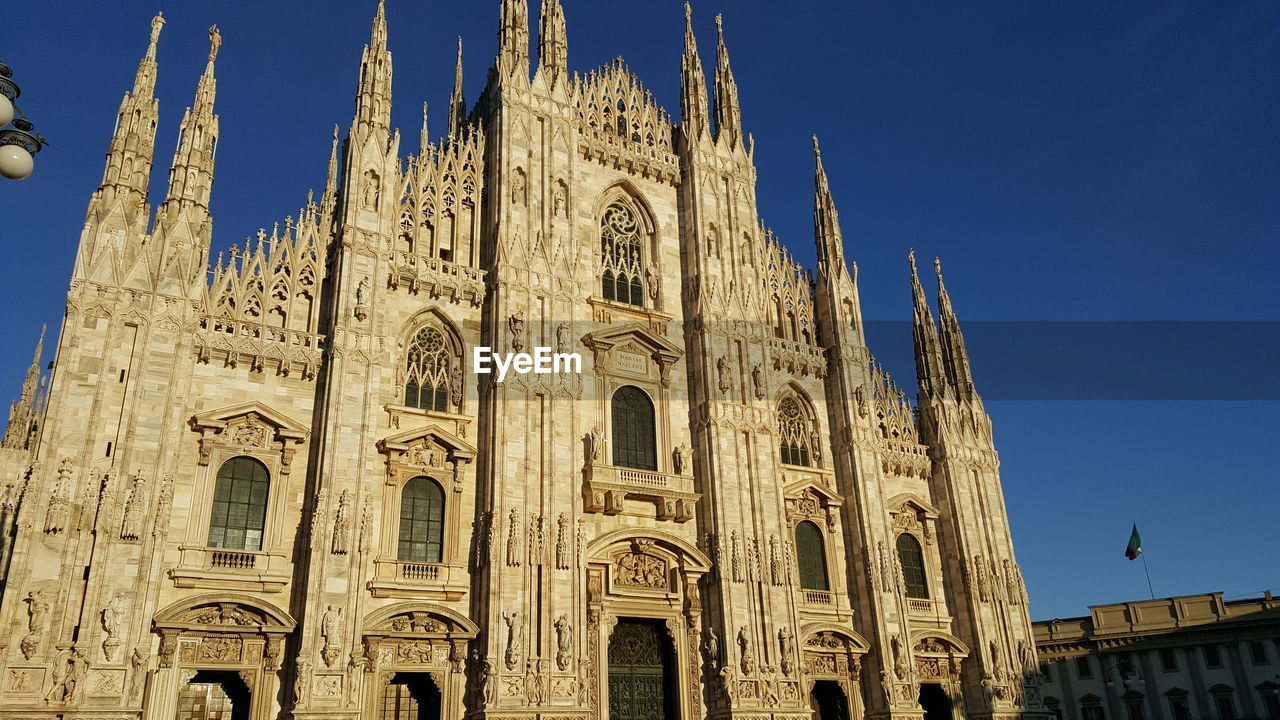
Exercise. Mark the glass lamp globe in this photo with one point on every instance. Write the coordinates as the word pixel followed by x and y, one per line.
pixel 6 111
pixel 15 162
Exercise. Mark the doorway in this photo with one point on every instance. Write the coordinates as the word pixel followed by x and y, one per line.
pixel 641 672
pixel 828 701
pixel 214 695
pixel 410 696
pixel 935 702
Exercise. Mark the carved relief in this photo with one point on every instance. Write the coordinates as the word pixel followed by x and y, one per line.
pixel 331 634
pixel 564 642
pixel 342 524
pixel 55 519
pixel 112 616
pixel 513 539
pixel 786 650
pixel 640 569
pixel 134 509
pixel 746 659
pixel 512 655
pixel 562 542
pixel 37 617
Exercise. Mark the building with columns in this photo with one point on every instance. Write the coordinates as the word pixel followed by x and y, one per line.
pixel 1178 658
pixel 271 482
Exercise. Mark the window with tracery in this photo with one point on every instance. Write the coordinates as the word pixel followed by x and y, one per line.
pixel 621 255
pixel 429 370
pixel 797 432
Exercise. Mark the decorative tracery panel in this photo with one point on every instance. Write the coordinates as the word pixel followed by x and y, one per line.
pixel 433 370
pixel 621 255
pixel 797 432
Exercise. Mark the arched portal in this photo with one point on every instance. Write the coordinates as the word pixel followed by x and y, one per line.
pixel 935 702
pixel 214 694
pixel 828 701
pixel 642 682
pixel 410 696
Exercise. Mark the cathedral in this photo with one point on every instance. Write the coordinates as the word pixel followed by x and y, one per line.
pixel 279 482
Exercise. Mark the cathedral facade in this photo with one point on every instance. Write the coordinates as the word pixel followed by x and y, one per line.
pixel 277 482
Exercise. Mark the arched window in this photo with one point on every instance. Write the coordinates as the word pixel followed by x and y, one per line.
pixel 912 560
pixel 634 443
pixel 421 521
pixel 811 556
pixel 797 431
pixel 429 368
pixel 239 505
pixel 621 255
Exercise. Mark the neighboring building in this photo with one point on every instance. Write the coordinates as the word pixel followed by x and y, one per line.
pixel 1195 657
pixel 274 482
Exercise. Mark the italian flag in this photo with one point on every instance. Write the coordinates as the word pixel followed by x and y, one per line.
pixel 1134 549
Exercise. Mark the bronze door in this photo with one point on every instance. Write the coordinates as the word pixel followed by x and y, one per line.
pixel 639 686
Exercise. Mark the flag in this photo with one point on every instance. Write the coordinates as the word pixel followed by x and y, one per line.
pixel 1134 549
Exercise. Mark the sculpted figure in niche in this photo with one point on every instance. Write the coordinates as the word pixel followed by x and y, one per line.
pixel 564 642
pixel 559 201
pixel 138 664
pixel 562 338
pixel 370 189
pixel 516 325
pixel 597 442
pixel 711 649
pixel 757 381
pixel 37 611
pixel 787 649
pixel 748 662
pixel 722 368
pixel 329 629
pixel 684 460
pixel 512 655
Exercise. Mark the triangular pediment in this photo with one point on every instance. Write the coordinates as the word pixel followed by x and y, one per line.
pixel 401 442
pixel 635 334
pixel 917 504
pixel 797 489
pixel 284 426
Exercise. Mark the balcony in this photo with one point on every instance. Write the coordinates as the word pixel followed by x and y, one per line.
pixel 396 578
pixel 925 609
pixel 607 487
pixel 224 568
pixel 821 598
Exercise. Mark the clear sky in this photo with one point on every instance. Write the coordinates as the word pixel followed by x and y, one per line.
pixel 1085 161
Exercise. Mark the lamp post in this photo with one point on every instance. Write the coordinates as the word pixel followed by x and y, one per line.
pixel 18 143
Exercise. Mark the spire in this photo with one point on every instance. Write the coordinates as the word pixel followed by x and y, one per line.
pixel 24 414
pixel 728 114
pixel 191 177
pixel 513 38
pixel 457 103
pixel 826 221
pixel 373 97
pixel 553 42
pixel 929 373
pixel 330 196
pixel 955 355
pixel 132 149
pixel 423 137
pixel 693 83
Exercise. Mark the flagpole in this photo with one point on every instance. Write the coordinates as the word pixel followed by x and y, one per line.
pixel 1148 572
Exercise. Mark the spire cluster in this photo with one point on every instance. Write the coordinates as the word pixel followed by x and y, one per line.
pixel 942 360
pixel 728 112
pixel 693 84
pixel 826 221
pixel 553 42
pixel 191 175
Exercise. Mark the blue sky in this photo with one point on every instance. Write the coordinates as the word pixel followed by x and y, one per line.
pixel 1088 161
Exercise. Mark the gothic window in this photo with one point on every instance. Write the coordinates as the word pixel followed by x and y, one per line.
pixel 428 370
pixel 634 440
pixel 421 521
pixel 797 431
pixel 239 505
pixel 811 556
pixel 912 560
pixel 621 255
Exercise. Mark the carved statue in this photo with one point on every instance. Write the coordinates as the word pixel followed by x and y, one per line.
pixel 329 626
pixel 711 649
pixel 535 690
pixel 684 460
pixel 787 650
pixel 747 662
pixel 597 442
pixel 301 680
pixel 371 189
pixel 512 655
pixel 757 381
pixel 1026 656
pixel 516 325
pixel 138 679
pixel 899 658
pixel 562 338
pixel 886 685
pixel 455 385
pixel 37 611
pixel 558 201
pixel 342 525
pixel 564 642
pixel 722 369
pixel 518 195
pixel 112 616
pixel 59 690
pixel 77 666
pixel 362 292
pixel 488 686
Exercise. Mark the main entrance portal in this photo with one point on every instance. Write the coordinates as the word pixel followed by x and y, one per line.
pixel 410 696
pixel 214 695
pixel 641 681
pixel 934 701
pixel 829 701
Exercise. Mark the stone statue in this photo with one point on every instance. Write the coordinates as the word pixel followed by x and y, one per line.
pixel 559 201
pixel 301 680
pixel 711 649
pixel 787 650
pixel 362 292
pixel 488 687
pixel 748 662
pixel 516 325
pixel 138 679
pixel 512 655
pixel 684 460
pixel 757 381
pixel 597 442
pixel 564 642
pixel 722 368
pixel 37 611
pixel 329 628
pixel 77 666
pixel 562 338
pixel 899 660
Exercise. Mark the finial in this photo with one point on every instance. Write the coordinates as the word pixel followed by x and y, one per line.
pixel 459 48
pixel 911 258
pixel 688 12
pixel 816 150
pixel 719 29
pixel 157 22
pixel 215 42
pixel 937 269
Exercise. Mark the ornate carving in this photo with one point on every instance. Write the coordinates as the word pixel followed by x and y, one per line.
pixel 301 681
pixel 786 650
pixel 134 509
pixel 746 658
pixel 725 382
pixel 537 540
pixel 66 674
pixel 331 634
pixel 900 666
pixel 137 674
pixel 775 561
pixel 55 518
pixel 512 655
pixel 640 569
pixel 757 382
pixel 562 542
pixel 221 614
pixel 515 324
pixel 218 648
pixel 513 539
pixel 342 524
pixel 535 683
pixel 37 617
pixel 735 557
pixel 683 460
pixel 168 646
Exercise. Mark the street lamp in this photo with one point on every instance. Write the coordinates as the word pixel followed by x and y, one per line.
pixel 18 145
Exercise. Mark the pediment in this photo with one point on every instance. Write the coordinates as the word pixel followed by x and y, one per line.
pixel 914 504
pixel 809 487
pixel 639 336
pixel 253 422
pixel 424 439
